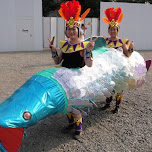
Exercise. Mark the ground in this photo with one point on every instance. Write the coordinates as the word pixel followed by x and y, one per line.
pixel 128 131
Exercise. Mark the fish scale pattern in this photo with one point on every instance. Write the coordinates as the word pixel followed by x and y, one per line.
pixel 111 73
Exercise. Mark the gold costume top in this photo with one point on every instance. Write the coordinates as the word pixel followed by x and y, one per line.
pixel 66 47
pixel 115 43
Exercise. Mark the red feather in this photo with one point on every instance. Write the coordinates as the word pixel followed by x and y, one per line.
pixel 70 9
pixel 112 13
pixel 107 13
pixel 118 12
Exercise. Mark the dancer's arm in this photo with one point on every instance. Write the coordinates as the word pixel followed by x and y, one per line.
pixel 128 50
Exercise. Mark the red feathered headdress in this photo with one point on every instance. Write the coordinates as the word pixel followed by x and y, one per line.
pixel 70 12
pixel 114 16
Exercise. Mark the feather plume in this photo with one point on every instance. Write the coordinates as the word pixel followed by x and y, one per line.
pixel 61 14
pixel 84 14
pixel 117 14
pixel 70 9
pixel 76 10
pixel 64 11
pixel 112 13
pixel 107 13
pixel 120 17
pixel 105 20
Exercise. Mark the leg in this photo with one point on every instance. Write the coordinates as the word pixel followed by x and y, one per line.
pixel 71 123
pixel 118 101
pixel 108 101
pixel 78 125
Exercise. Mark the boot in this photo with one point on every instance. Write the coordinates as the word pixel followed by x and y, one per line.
pixel 78 128
pixel 118 101
pixel 108 101
pixel 71 123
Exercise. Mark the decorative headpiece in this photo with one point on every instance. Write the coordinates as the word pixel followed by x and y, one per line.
pixel 114 16
pixel 70 12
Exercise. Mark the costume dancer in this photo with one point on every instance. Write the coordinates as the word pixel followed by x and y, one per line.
pixel 73 52
pixel 114 17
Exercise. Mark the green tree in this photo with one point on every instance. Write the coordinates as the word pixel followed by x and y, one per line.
pixel 51 5
pixel 48 6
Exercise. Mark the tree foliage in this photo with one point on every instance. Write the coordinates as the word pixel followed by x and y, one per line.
pixel 48 6
pixel 51 5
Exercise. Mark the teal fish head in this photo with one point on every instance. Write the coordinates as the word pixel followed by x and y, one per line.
pixel 36 99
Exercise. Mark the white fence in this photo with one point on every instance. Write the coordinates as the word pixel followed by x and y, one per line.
pixel 55 26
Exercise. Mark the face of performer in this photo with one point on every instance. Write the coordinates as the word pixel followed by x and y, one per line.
pixel 72 33
pixel 113 31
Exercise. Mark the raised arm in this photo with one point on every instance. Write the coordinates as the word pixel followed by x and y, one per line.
pixel 128 48
pixel 88 52
pixel 57 58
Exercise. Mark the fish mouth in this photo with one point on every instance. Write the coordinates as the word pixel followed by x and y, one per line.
pixel 11 138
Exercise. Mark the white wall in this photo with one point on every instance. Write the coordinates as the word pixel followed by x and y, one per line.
pixel 38 33
pixel 135 25
pixel 10 12
pixel 7 25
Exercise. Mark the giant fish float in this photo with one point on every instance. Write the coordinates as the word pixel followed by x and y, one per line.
pixel 60 89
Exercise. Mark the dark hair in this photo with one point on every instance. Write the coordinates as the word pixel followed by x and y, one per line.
pixel 82 25
pixel 78 32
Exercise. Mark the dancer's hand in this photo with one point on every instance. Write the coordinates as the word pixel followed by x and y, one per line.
pixel 51 45
pixel 91 44
pixel 131 46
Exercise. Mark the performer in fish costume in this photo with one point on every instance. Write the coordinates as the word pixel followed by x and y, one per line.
pixel 113 18
pixel 73 53
pixel 68 90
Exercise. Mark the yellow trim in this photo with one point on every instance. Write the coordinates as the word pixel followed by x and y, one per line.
pixel 118 44
pixel 78 121
pixel 113 23
pixel 118 97
pixel 69 114
pixel 70 50
pixel 71 22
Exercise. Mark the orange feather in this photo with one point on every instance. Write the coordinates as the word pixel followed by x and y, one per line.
pixel 61 14
pixel 120 17
pixel 105 20
pixel 84 14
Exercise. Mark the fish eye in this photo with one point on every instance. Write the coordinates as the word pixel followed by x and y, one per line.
pixel 27 115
